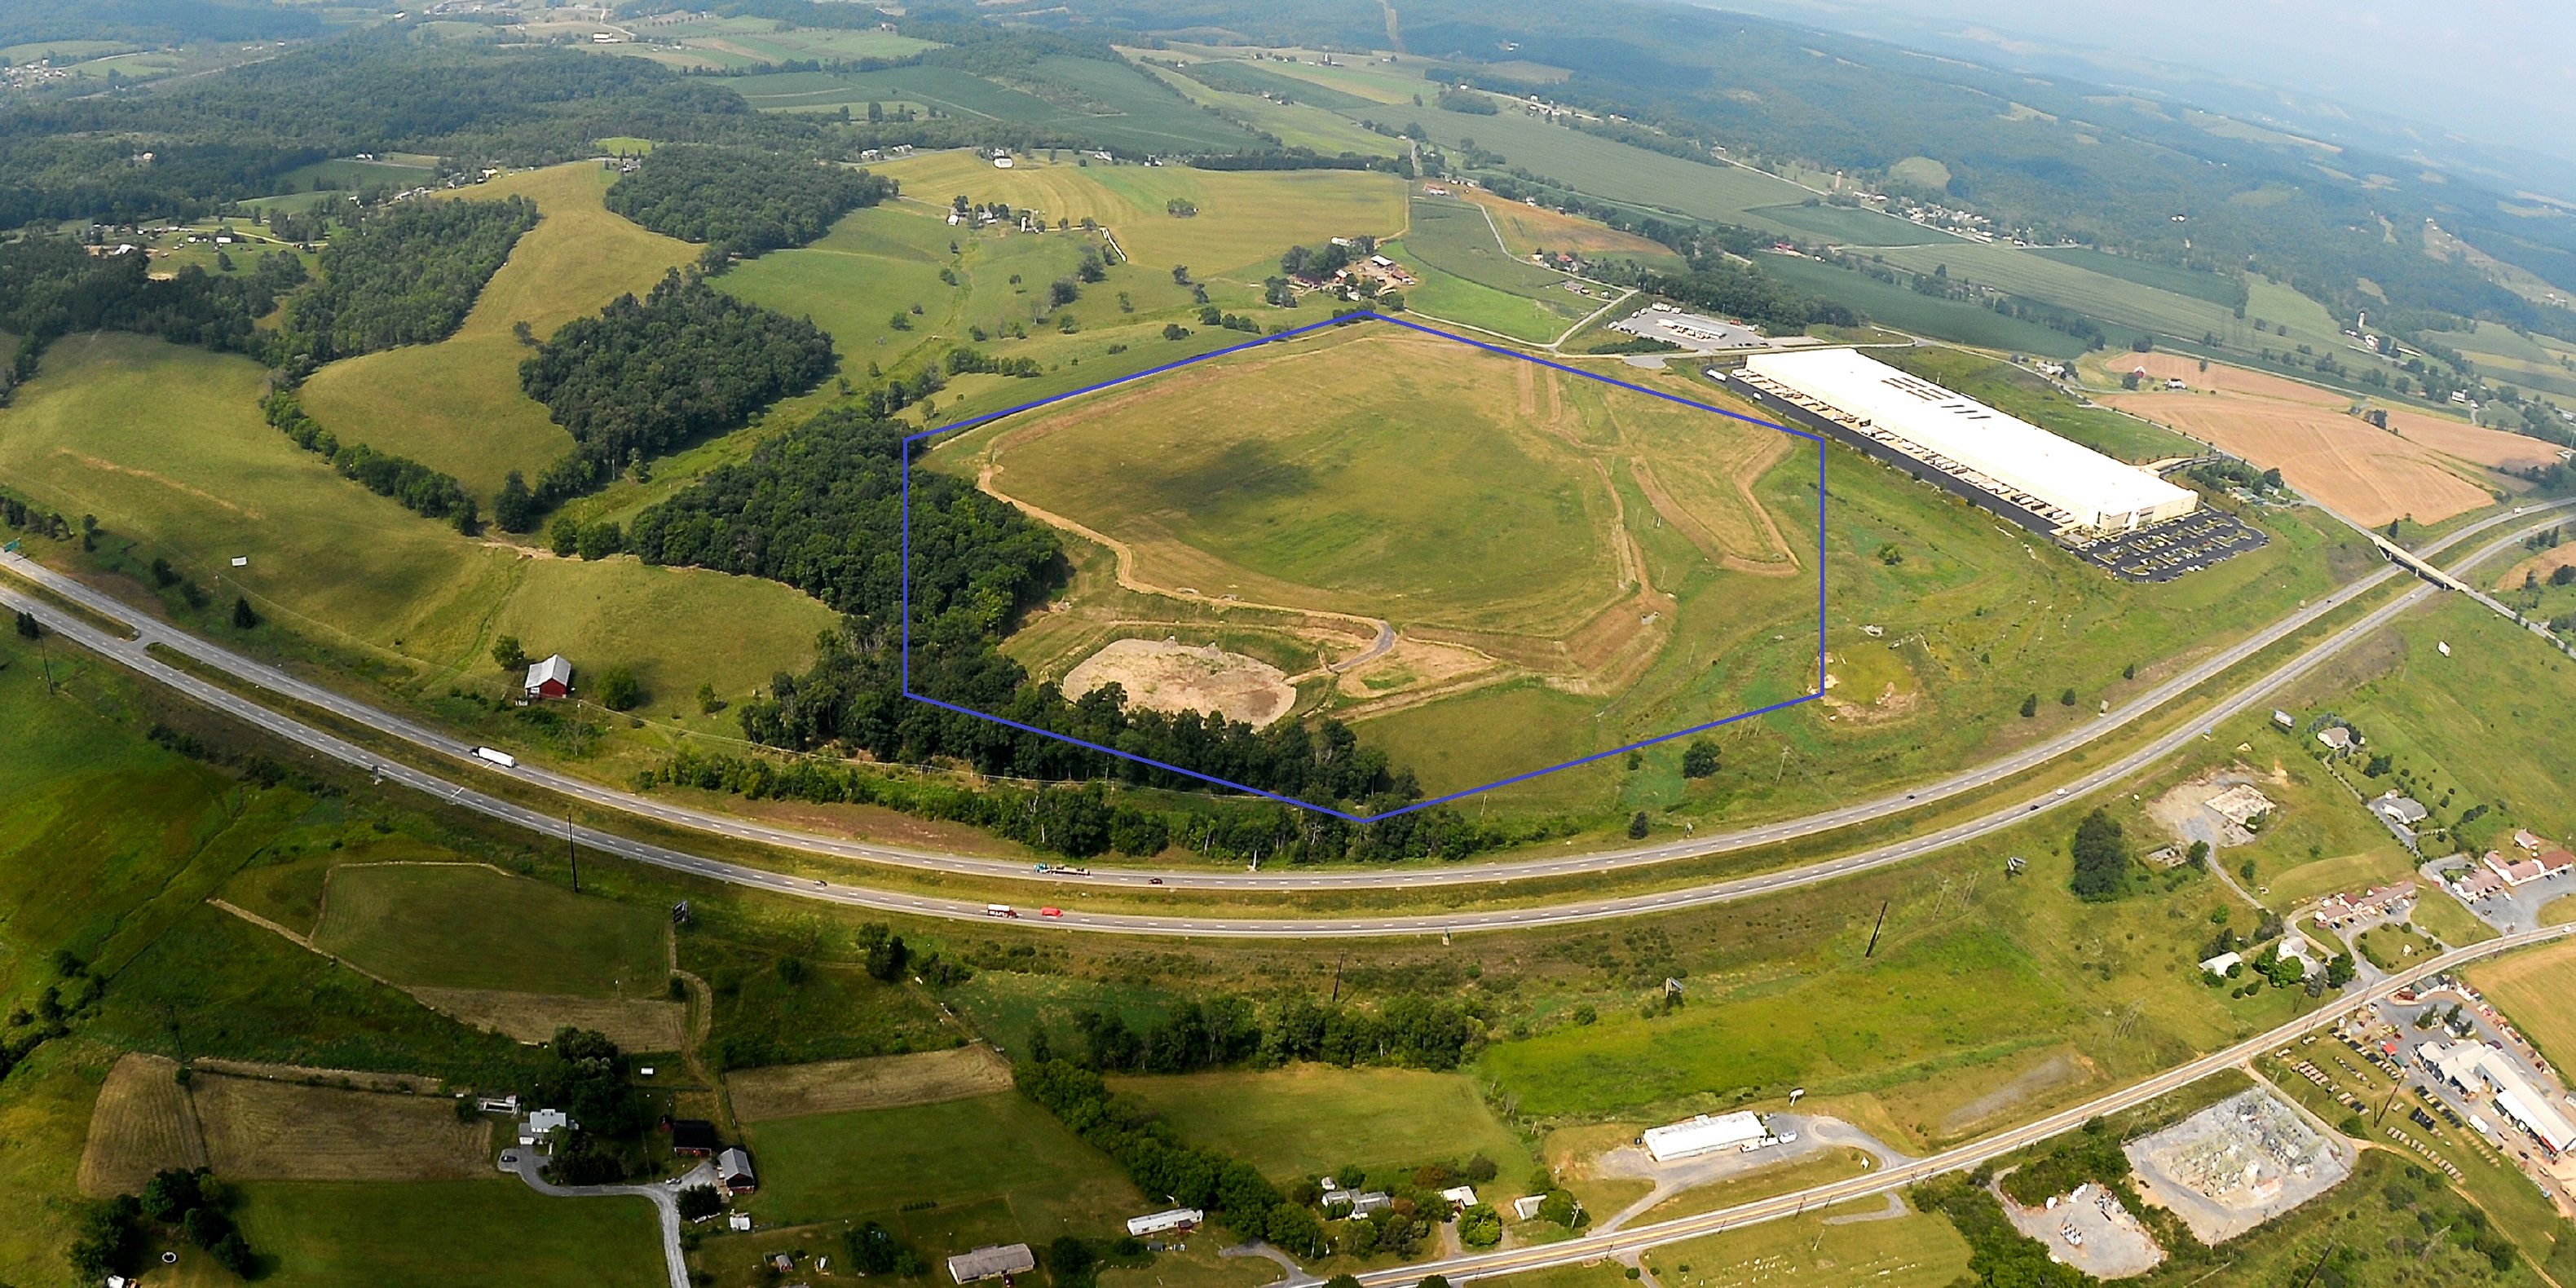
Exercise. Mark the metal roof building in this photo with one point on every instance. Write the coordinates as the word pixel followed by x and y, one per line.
pixel 1704 1135
pixel 2060 483
pixel 991 1262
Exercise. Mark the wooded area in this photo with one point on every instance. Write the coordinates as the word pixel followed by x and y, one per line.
pixel 406 275
pixel 741 201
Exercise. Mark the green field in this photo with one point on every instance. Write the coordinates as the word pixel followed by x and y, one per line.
pixel 472 927
pixel 1298 123
pixel 873 1163
pixel 1850 225
pixel 2146 272
pixel 1133 111
pixel 1468 276
pixel 421 1233
pixel 44 1120
pixel 1310 1119
pixel 456 405
pixel 1915 1251
pixel 1956 321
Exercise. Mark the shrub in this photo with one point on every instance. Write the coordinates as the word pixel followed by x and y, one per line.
pixel 618 690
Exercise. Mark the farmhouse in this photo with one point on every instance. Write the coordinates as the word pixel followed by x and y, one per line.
pixel 551 678
pixel 991 1262
pixel 2005 464
pixel 1156 1223
pixel 1703 1135
pixel 733 1170
pixel 544 1123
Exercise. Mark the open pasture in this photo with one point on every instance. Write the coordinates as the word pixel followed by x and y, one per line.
pixel 1526 228
pixel 456 405
pixel 1245 219
pixel 1310 1119
pixel 1845 1247
pixel 466 926
pixel 1956 321
pixel 871 1163
pixel 1303 119
pixel 2531 987
pixel 428 1234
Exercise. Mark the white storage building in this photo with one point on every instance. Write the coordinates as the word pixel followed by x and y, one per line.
pixel 2072 486
pixel 1704 1135
pixel 1158 1222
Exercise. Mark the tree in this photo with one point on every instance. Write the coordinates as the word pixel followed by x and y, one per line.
pixel 2066 699
pixel 2562 575
pixel 1175 331
pixel 883 951
pixel 618 690
pixel 2340 969
pixel 1699 759
pixel 243 617
pixel 708 702
pixel 1293 1229
pixel 2198 856
pixel 509 654
pixel 515 509
pixel 1889 554
pixel 564 535
pixel 2101 856
pixel 1480 1226
pixel 1637 826
pixel 2030 706
pixel 600 540
pixel 27 627
pixel 698 1202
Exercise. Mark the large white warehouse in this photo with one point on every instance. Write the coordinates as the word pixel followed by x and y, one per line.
pixel 2059 486
pixel 1704 1135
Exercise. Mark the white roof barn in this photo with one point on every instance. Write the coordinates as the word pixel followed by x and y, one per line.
pixel 1703 1135
pixel 551 678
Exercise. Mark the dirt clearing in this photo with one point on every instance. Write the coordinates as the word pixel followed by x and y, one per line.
pixel 534 1017
pixel 880 1082
pixel 1167 675
pixel 142 1124
pixel 260 1130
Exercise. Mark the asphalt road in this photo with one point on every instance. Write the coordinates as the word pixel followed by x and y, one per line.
pixel 1639 1238
pixel 150 631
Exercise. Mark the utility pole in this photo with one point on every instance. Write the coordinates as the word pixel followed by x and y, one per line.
pixel 574 853
pixel 1873 931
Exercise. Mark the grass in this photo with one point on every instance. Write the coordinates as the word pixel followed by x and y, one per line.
pixel 1302 122
pixel 2532 987
pixel 832 1012
pixel 873 1163
pixel 2119 302
pixel 1913 1251
pixel 1953 320
pixel 2209 287
pixel 1848 225
pixel 872 265
pixel 422 1233
pixel 44 1118
pixel 165 444
pixel 1142 113
pixel 1312 1119
pixel 473 927
pixel 456 405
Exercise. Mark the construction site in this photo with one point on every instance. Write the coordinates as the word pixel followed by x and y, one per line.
pixel 2238 1163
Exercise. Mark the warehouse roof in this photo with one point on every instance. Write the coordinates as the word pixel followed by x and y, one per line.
pixel 1703 1134
pixel 2094 488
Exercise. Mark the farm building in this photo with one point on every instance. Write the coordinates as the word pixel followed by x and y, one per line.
pixel 991 1262
pixel 551 678
pixel 693 1136
pixel 1704 1135
pixel 2008 465
pixel 733 1170
pixel 1158 1222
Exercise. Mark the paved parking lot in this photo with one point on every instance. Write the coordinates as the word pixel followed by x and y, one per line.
pixel 2178 546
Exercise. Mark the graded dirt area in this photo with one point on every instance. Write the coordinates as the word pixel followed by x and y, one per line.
pixel 259 1130
pixel 142 1124
pixel 2424 466
pixel 877 1082
pixel 2115 1245
pixel 1167 675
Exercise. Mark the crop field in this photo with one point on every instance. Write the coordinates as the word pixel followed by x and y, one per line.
pixel 2532 362
pixel 261 1130
pixel 143 1122
pixel 1593 507
pixel 2023 393
pixel 456 405
pixel 1838 1249
pixel 469 926
pixel 1311 1119
pixel 2171 278
pixel 1526 228
pixel 873 1163
pixel 2427 470
pixel 1956 321
pixel 426 1234
pixel 1144 114
pixel 166 446
pixel 1245 219
pixel 1302 122
pixel 1849 225
pixel 2531 987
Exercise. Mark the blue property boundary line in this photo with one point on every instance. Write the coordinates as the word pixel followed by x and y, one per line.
pixel 1350 319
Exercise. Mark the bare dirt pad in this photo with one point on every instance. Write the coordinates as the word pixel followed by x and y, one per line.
pixel 1164 675
pixel 262 1130
pixel 880 1082
pixel 142 1124
pixel 534 1017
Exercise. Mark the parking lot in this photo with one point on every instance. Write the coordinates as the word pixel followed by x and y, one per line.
pixel 2512 908
pixel 2169 550
pixel 1693 331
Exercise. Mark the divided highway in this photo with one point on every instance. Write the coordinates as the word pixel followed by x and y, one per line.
pixel 1635 1239
pixel 135 654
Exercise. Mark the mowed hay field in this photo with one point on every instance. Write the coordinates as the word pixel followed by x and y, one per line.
pixel 143 1123
pixel 874 1082
pixel 1526 228
pixel 257 1129
pixel 2532 987
pixel 456 405
pixel 166 446
pixel 954 1157
pixel 1244 220
pixel 466 926
pixel 1309 1119
pixel 495 1233
pixel 1841 1248
pixel 2366 474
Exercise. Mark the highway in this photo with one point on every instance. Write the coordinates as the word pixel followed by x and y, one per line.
pixel 1635 1239
pixel 149 631
pixel 135 655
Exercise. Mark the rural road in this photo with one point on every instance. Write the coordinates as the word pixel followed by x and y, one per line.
pixel 150 631
pixel 135 654
pixel 1637 1239
pixel 665 1198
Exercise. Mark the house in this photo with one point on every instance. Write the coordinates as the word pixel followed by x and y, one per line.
pixel 991 1263
pixel 1525 1208
pixel 733 1170
pixel 1372 1201
pixel 2399 814
pixel 695 1137
pixel 2478 883
pixel 551 678
pixel 1463 1196
pixel 2519 871
pixel 2526 842
pixel 2344 909
pixel 2337 739
pixel 1156 1223
pixel 544 1123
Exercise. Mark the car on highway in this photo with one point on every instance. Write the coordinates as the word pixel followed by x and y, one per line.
pixel 1050 912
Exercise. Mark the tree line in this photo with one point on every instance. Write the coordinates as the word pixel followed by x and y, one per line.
pixel 51 287
pixel 1408 1029
pixel 740 201
pixel 403 274
pixel 429 493
pixel 645 375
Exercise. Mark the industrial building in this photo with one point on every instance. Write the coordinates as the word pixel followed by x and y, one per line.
pixel 2473 1067
pixel 2038 480
pixel 1704 1135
